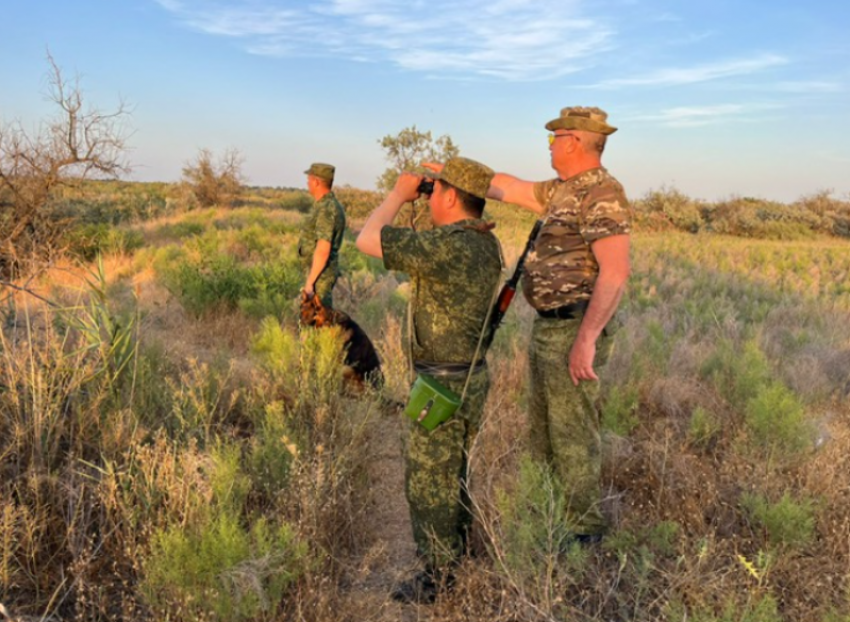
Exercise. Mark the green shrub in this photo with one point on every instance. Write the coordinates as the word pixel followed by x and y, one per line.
pixel 756 609
pixel 320 364
pixel 704 427
pixel 271 288
pixel 680 210
pixel 216 281
pixel 221 570
pixel 230 486
pixel 655 349
pixel 89 241
pixel 658 539
pixel 209 565
pixel 276 349
pixel 358 203
pixel 787 523
pixel 308 365
pixel 534 543
pixel 620 410
pixel 181 229
pixel 663 537
pixel 296 200
pixel 273 449
pixel 758 218
pixel 739 372
pixel 242 219
pixel 203 278
pixel 352 260
pixel 776 421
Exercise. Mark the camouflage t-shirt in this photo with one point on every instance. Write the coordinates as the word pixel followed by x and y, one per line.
pixel 561 269
pixel 454 270
pixel 326 221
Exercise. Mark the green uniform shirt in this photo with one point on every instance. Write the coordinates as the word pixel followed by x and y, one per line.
pixel 580 210
pixel 326 221
pixel 454 270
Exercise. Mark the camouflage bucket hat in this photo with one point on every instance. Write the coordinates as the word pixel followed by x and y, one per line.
pixel 467 175
pixel 582 118
pixel 321 170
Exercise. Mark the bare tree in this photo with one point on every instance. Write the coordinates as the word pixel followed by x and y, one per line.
pixel 215 183
pixel 80 142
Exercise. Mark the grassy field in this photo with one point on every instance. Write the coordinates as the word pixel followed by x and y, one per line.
pixel 172 448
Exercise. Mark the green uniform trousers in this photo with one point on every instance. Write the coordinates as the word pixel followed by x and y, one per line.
pixel 436 465
pixel 564 420
pixel 324 288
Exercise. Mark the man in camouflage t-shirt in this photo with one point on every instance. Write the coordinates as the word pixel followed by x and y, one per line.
pixel 454 271
pixel 321 235
pixel 574 278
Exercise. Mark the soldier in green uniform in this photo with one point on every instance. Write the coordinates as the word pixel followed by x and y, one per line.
pixel 321 235
pixel 454 270
pixel 574 278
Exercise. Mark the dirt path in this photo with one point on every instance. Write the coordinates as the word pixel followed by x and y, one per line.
pixel 392 556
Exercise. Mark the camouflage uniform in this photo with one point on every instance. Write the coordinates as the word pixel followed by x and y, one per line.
pixel 561 270
pixel 326 221
pixel 454 270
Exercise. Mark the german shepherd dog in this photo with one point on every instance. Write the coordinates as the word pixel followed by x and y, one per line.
pixel 361 360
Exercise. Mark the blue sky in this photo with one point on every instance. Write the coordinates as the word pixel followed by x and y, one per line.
pixel 717 99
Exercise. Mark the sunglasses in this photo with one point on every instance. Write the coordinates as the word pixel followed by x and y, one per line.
pixel 552 137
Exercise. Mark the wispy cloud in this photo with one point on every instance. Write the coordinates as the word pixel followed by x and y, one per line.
pixel 698 116
pixel 508 39
pixel 699 73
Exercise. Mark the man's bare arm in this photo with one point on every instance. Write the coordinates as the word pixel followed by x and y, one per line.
pixel 320 261
pixel 510 189
pixel 612 254
pixel 506 188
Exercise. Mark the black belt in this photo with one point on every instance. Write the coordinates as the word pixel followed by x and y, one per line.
pixel 444 370
pixel 567 312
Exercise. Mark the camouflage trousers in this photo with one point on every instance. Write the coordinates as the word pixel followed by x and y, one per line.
pixel 564 419
pixel 436 475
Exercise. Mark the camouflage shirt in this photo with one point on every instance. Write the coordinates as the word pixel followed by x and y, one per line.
pixel 561 269
pixel 326 221
pixel 454 270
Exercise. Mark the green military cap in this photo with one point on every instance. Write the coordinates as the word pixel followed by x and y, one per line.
pixel 467 175
pixel 582 118
pixel 321 170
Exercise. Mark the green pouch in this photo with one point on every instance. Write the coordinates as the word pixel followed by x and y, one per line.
pixel 431 403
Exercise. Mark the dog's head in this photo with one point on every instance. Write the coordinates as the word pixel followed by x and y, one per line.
pixel 314 313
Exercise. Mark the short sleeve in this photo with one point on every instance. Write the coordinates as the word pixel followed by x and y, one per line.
pixel 607 213
pixel 325 220
pixel 543 191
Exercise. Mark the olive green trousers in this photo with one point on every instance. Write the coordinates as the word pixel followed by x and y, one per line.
pixel 564 420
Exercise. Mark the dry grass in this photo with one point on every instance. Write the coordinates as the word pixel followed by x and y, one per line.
pixel 92 469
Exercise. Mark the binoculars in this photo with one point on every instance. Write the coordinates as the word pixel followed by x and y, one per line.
pixel 426 186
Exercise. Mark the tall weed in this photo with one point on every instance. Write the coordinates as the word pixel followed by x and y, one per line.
pixel 533 542
pixel 786 523
pixel 217 567
pixel 776 421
